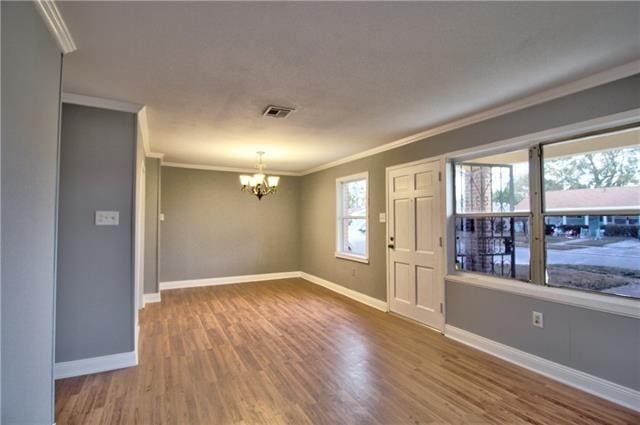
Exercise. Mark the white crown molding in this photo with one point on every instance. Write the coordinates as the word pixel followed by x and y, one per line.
pixel 227 169
pixel 56 25
pixel 349 293
pixel 194 283
pixel 100 102
pixel 594 80
pixel 95 365
pixel 611 391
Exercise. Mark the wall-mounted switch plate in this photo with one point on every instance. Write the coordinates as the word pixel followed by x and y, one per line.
pixel 107 218
pixel 537 319
pixel 383 217
pixel 161 216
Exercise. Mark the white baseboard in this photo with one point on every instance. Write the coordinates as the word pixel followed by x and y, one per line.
pixel 95 365
pixel 226 280
pixel 365 299
pixel 613 392
pixel 355 295
pixel 151 298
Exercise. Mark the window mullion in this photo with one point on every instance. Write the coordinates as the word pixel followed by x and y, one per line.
pixel 537 219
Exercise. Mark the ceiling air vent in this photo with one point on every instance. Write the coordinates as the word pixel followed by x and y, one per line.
pixel 277 111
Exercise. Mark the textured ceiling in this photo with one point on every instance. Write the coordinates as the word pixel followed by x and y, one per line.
pixel 359 74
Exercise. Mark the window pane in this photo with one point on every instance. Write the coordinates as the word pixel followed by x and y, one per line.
pixel 497 246
pixel 354 233
pixel 598 253
pixel 497 183
pixel 355 198
pixel 597 172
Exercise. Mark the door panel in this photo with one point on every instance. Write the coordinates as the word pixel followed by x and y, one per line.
pixel 425 290
pixel 415 269
pixel 424 180
pixel 401 272
pixel 425 225
pixel 401 183
pixel 402 226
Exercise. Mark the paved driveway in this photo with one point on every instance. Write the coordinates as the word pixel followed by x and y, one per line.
pixel 624 254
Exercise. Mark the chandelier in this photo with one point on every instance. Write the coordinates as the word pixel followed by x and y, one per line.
pixel 259 184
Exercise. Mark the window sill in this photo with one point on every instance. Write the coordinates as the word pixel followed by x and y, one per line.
pixel 352 257
pixel 599 302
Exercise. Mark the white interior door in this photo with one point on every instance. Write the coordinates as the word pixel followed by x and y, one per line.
pixel 415 239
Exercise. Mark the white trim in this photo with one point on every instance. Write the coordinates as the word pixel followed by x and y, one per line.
pixel 152 298
pixel 155 155
pixel 352 257
pixel 139 248
pixel 95 365
pixel 612 304
pixel 227 169
pixel 56 25
pixel 532 139
pixel 339 253
pixel 143 126
pixel 350 293
pixel 226 280
pixel 613 392
pixel 100 102
pixel 604 77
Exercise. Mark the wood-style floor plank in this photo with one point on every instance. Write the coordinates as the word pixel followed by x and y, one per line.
pixel 290 352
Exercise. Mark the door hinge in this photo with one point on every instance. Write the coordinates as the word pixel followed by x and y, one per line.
pixel 439 176
pixel 440 240
pixel 441 308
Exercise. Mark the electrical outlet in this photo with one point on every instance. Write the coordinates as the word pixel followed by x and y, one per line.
pixel 537 319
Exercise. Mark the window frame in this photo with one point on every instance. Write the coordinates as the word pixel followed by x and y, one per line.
pixel 537 287
pixel 340 252
pixel 500 214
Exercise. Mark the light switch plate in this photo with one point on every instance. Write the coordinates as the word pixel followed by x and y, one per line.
pixel 107 218
pixel 383 217
pixel 161 216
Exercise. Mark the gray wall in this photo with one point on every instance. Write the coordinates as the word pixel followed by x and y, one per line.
pixel 151 225
pixel 600 344
pixel 589 351
pixel 31 65
pixel 212 229
pixel 95 279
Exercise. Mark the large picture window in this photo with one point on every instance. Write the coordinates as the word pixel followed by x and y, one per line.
pixel 352 228
pixel 562 214
pixel 591 207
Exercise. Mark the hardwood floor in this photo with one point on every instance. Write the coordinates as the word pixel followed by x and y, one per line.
pixel 290 352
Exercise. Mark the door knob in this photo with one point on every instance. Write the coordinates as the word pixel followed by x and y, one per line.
pixel 391 246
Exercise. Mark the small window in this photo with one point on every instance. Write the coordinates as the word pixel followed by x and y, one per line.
pixel 352 230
